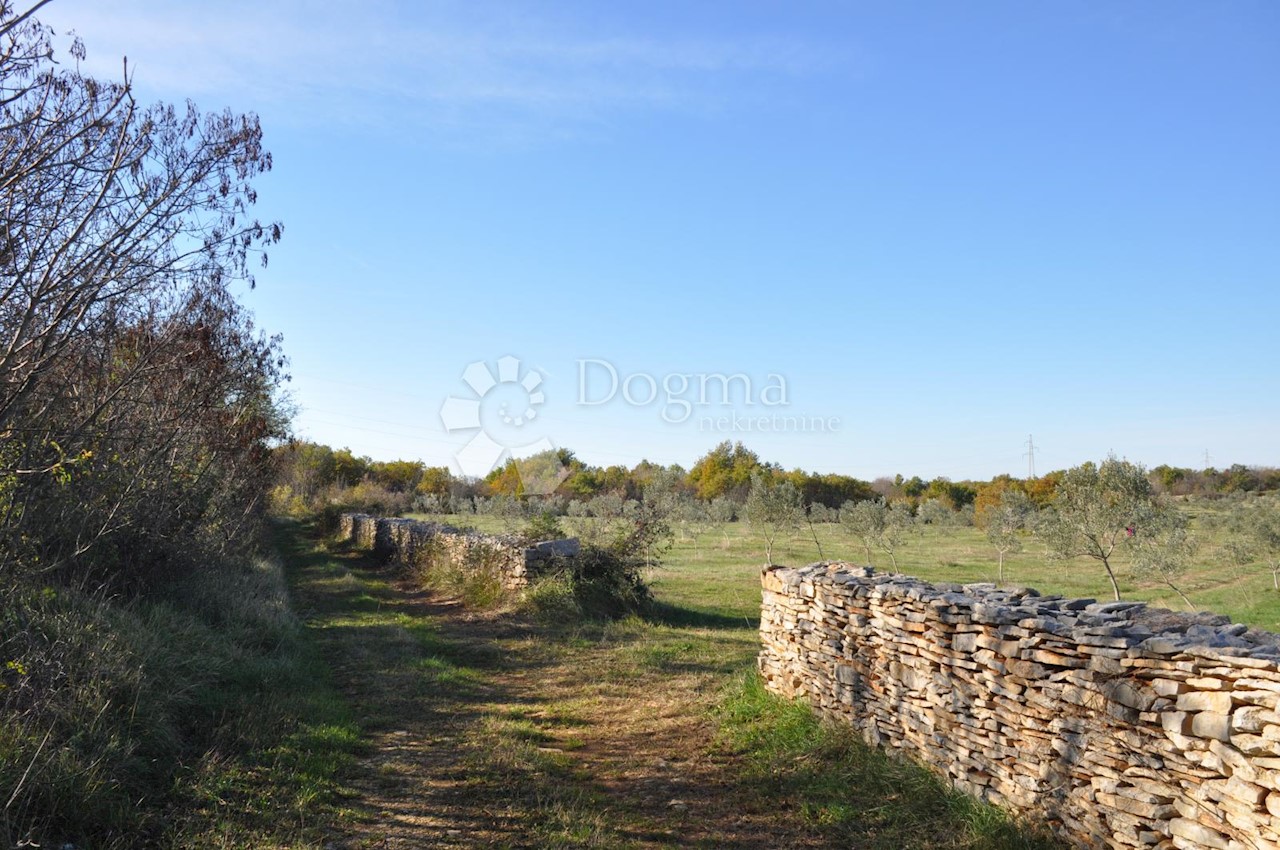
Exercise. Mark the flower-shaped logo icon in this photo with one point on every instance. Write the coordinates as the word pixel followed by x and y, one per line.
pixel 500 405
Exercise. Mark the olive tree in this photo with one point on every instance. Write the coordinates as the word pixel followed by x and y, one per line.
pixel 773 508
pixel 935 512
pixel 865 520
pixel 1006 522
pixel 722 510
pixel 1098 511
pixel 899 522
pixel 694 520
pixel 879 525
pixel 645 532
pixel 1162 550
pixel 1254 535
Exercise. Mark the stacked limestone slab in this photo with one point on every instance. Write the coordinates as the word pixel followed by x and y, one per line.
pixel 358 529
pixel 1119 725
pixel 403 540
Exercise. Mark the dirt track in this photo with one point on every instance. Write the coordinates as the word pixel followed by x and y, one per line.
pixel 491 731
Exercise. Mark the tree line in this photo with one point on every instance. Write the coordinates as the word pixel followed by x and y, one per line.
pixel 310 474
pixel 1113 512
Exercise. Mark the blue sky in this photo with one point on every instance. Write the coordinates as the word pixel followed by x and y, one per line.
pixel 941 227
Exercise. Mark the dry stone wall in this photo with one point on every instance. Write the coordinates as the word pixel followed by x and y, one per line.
pixel 358 529
pixel 408 541
pixel 1118 724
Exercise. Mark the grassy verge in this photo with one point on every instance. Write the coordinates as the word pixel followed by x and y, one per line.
pixel 197 716
pixel 854 793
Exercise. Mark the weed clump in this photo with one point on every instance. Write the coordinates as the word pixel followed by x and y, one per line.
pixel 476 578
pixel 596 584
pixel 604 581
pixel 544 525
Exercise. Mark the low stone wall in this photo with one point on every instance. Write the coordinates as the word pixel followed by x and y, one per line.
pixel 1119 725
pixel 408 541
pixel 360 529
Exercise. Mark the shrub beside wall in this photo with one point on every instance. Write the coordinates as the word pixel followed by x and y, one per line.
pixel 1120 725
pixel 410 542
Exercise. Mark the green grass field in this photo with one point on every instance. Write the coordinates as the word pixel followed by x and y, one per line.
pixel 716 571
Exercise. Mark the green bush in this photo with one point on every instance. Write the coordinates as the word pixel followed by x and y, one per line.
pixel 609 584
pixel 543 526
pixel 327 517
pixel 552 599
pixel 602 583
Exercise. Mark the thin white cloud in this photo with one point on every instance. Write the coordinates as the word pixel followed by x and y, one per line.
pixel 321 63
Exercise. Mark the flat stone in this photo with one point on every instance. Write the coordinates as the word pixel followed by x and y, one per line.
pixel 1198 833
pixel 1246 792
pixel 1215 701
pixel 1178 722
pixel 1207 724
pixel 1253 718
pixel 1025 669
pixel 1255 745
pixel 1128 693
pixel 1272 804
pixel 1202 683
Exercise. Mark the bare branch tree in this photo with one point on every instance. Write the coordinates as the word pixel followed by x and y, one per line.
pixel 136 397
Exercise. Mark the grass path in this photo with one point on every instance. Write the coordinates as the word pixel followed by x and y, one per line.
pixel 491 730
pixel 484 731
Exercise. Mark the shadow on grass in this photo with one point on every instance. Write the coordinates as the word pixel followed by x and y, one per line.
pixel 666 614
pixel 377 634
